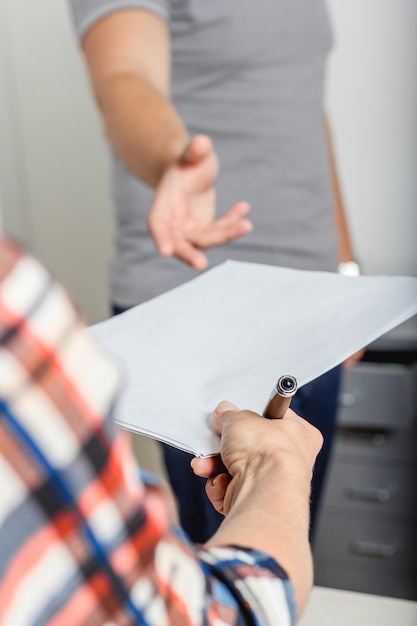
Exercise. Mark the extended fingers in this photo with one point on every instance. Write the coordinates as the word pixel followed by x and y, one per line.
pixel 188 243
pixel 186 252
pixel 226 228
pixel 161 233
pixel 237 211
pixel 171 242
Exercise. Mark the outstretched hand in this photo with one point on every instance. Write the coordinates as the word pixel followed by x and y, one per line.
pixel 182 219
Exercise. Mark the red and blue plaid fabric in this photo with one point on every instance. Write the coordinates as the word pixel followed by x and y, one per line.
pixel 83 541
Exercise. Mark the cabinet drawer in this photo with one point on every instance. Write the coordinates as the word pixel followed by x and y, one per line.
pixel 359 541
pixel 372 489
pixel 380 446
pixel 378 394
pixel 366 579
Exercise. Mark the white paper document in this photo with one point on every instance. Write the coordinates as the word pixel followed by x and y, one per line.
pixel 230 333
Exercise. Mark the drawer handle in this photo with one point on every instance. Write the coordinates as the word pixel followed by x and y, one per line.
pixel 370 548
pixel 347 399
pixel 369 494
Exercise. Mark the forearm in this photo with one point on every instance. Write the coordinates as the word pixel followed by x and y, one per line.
pixel 142 125
pixel 129 59
pixel 271 514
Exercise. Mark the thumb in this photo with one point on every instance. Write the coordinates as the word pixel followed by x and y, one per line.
pixel 197 150
pixel 224 406
pixel 220 413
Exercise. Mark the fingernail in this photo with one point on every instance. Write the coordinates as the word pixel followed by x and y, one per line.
pixel 224 406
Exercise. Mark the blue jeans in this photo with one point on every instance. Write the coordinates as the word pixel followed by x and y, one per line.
pixel 316 402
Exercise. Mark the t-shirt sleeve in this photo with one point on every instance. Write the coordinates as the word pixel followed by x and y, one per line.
pixel 86 13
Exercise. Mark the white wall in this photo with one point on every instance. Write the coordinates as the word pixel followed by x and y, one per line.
pixel 372 98
pixel 53 159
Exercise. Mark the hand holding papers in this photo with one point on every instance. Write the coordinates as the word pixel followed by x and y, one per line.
pixel 231 332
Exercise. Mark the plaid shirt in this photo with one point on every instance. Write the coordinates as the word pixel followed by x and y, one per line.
pixel 83 541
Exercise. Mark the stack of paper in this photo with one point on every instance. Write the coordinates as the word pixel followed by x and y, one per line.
pixel 231 332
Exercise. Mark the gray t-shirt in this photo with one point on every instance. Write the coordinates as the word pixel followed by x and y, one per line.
pixel 249 74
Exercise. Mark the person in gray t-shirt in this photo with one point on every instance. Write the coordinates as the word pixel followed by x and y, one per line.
pixel 212 106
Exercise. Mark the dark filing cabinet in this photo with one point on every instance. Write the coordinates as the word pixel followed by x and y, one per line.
pixel 366 539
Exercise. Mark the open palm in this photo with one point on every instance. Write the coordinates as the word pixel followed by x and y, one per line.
pixel 182 219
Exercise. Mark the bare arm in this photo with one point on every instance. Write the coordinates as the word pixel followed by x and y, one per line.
pixel 265 494
pixel 128 56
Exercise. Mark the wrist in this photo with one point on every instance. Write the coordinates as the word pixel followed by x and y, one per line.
pixel 173 157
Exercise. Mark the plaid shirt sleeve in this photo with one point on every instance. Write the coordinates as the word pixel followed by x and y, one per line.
pixel 83 541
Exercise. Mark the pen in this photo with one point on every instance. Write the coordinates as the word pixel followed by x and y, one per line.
pixel 280 397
